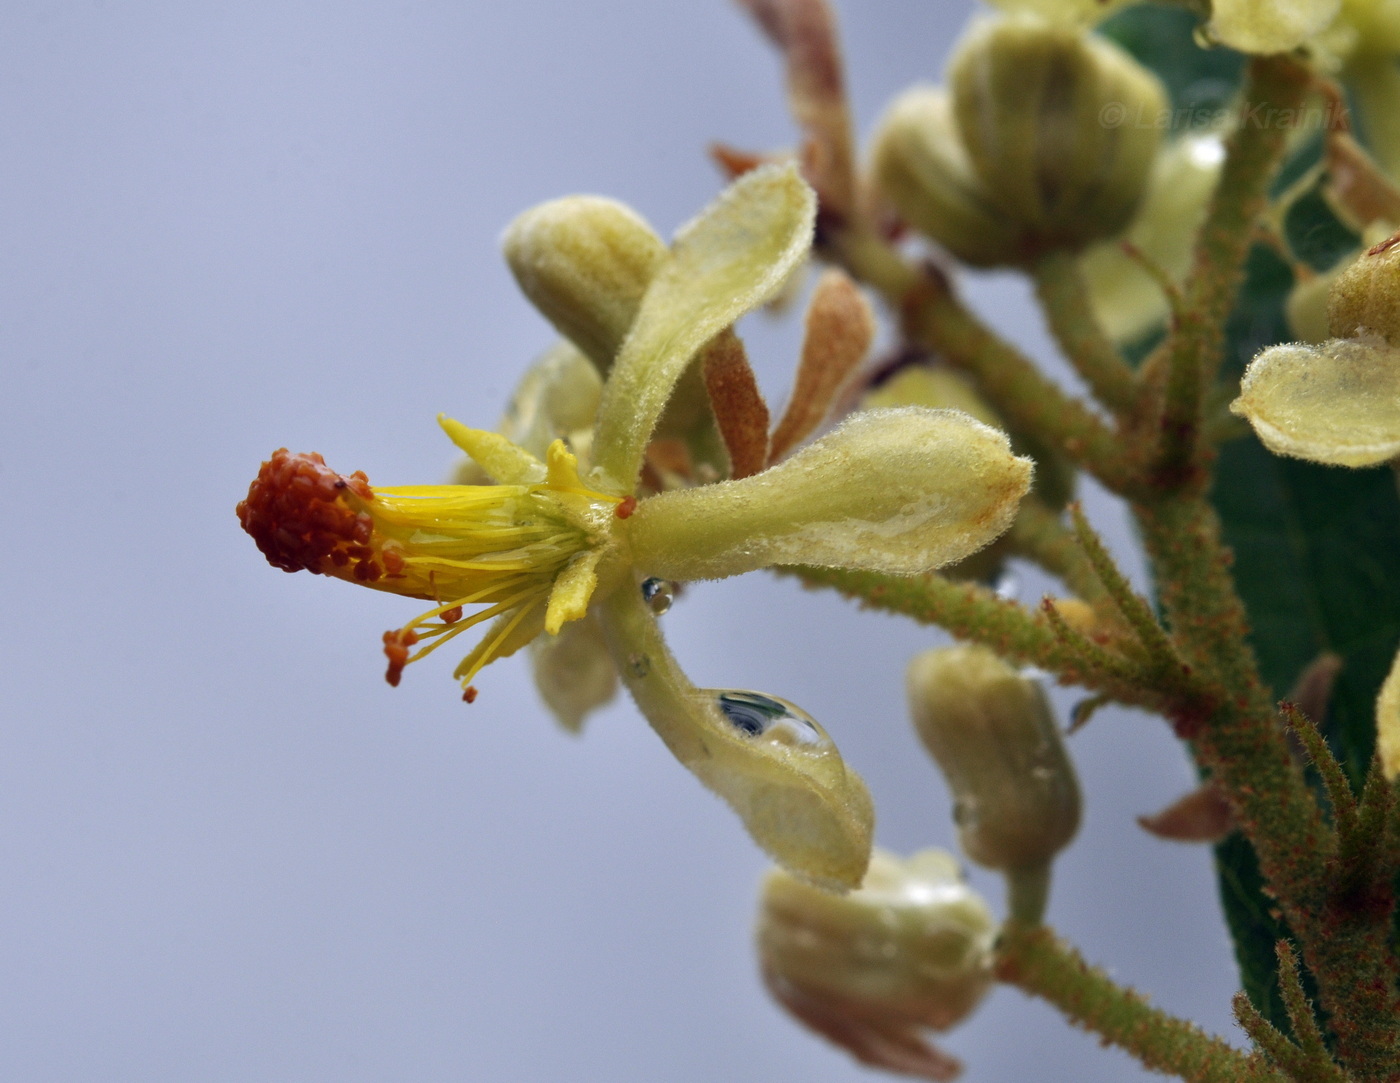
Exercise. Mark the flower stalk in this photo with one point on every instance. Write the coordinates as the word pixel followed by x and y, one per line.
pixel 1035 960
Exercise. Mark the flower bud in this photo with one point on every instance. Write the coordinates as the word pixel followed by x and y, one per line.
pixel 585 262
pixel 1365 298
pixel 1307 306
pixel 1016 798
pixel 1059 125
pixel 909 949
pixel 919 165
pixel 1334 403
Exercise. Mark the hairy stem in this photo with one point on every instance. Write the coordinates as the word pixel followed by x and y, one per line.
pixel 1344 935
pixel 1028 894
pixel 977 614
pixel 1040 536
pixel 1059 283
pixel 1194 352
pixel 1038 962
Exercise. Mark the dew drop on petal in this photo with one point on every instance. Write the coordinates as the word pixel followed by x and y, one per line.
pixel 658 594
pixel 764 717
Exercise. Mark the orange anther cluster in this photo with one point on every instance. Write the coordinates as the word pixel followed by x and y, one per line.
pixel 396 647
pixel 451 616
pixel 627 507
pixel 469 696
pixel 296 513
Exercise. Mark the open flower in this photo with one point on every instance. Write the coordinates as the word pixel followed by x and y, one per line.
pixel 550 544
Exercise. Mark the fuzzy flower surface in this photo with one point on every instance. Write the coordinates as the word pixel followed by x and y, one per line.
pixel 554 544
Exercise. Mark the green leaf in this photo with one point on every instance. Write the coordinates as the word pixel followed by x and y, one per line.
pixel 1315 234
pixel 1317 549
pixel 1200 82
pixel 1315 561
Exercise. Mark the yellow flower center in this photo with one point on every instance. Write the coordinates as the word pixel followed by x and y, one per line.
pixel 501 547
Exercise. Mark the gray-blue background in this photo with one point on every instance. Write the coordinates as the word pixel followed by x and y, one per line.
pixel 228 851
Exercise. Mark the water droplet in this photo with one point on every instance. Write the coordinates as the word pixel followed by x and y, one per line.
pixel 658 594
pixel 758 715
pixel 638 664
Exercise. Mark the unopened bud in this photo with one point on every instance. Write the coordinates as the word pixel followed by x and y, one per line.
pixel 1365 298
pixel 1059 125
pixel 1081 616
pixel 1307 306
pixel 909 949
pixel 1016 798
pixel 584 262
pixel 920 166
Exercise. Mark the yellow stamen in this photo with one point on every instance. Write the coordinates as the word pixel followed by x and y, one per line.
pixel 498 546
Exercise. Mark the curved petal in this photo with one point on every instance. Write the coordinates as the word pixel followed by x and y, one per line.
pixel 504 462
pixel 1338 403
pixel 788 783
pixel 898 491
pixel 573 588
pixel 1269 26
pixel 574 672
pixel 731 259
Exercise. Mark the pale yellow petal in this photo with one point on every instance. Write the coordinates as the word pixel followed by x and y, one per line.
pixel 503 461
pixel 561 467
pixel 574 672
pixel 573 588
pixel 1337 403
pixel 1269 26
pixel 787 782
pixel 731 259
pixel 898 491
